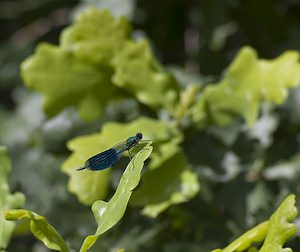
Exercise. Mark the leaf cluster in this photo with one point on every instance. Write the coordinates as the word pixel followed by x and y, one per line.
pixel 237 136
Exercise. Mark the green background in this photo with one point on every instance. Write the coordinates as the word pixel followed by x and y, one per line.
pixel 237 159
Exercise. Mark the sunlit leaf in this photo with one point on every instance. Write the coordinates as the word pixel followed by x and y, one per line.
pixel 170 183
pixel 96 36
pixel 139 72
pixel 281 229
pixel 40 228
pixel 274 232
pixel 7 199
pixel 90 186
pixel 254 235
pixel 108 214
pixel 96 53
pixel 65 80
pixel 247 83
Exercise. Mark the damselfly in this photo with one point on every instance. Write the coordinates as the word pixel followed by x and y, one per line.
pixel 111 156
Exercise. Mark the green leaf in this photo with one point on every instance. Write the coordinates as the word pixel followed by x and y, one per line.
pixel 7 199
pixel 274 232
pixel 90 186
pixel 169 169
pixel 139 72
pixel 78 72
pixel 108 214
pixel 40 228
pixel 95 57
pixel 247 83
pixel 174 184
pixel 96 36
pixel 281 228
pixel 65 80
pixel 254 235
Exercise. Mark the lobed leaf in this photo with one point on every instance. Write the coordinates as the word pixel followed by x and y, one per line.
pixel 281 228
pixel 168 168
pixel 40 228
pixel 138 72
pixel 89 186
pixel 174 183
pixel 65 80
pixel 96 37
pixel 7 199
pixel 254 235
pixel 96 57
pixel 247 83
pixel 78 72
pixel 274 232
pixel 108 214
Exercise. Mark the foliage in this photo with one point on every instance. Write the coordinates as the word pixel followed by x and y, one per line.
pixel 247 83
pixel 236 133
pixel 7 199
pixel 281 229
pixel 107 214
pixel 39 227
pixel 115 63
pixel 275 232
pixel 167 159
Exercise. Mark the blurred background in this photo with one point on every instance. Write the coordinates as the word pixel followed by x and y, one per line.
pixel 194 39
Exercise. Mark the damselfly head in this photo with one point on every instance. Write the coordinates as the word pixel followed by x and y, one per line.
pixel 139 136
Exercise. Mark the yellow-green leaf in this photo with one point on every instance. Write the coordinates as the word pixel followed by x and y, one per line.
pixel 139 72
pixel 170 183
pixel 247 83
pixel 7 199
pixel 90 186
pixel 254 235
pixel 274 232
pixel 281 229
pixel 40 228
pixel 108 214
pixel 65 80
pixel 96 36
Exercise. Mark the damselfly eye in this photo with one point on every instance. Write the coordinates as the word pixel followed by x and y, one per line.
pixel 139 135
